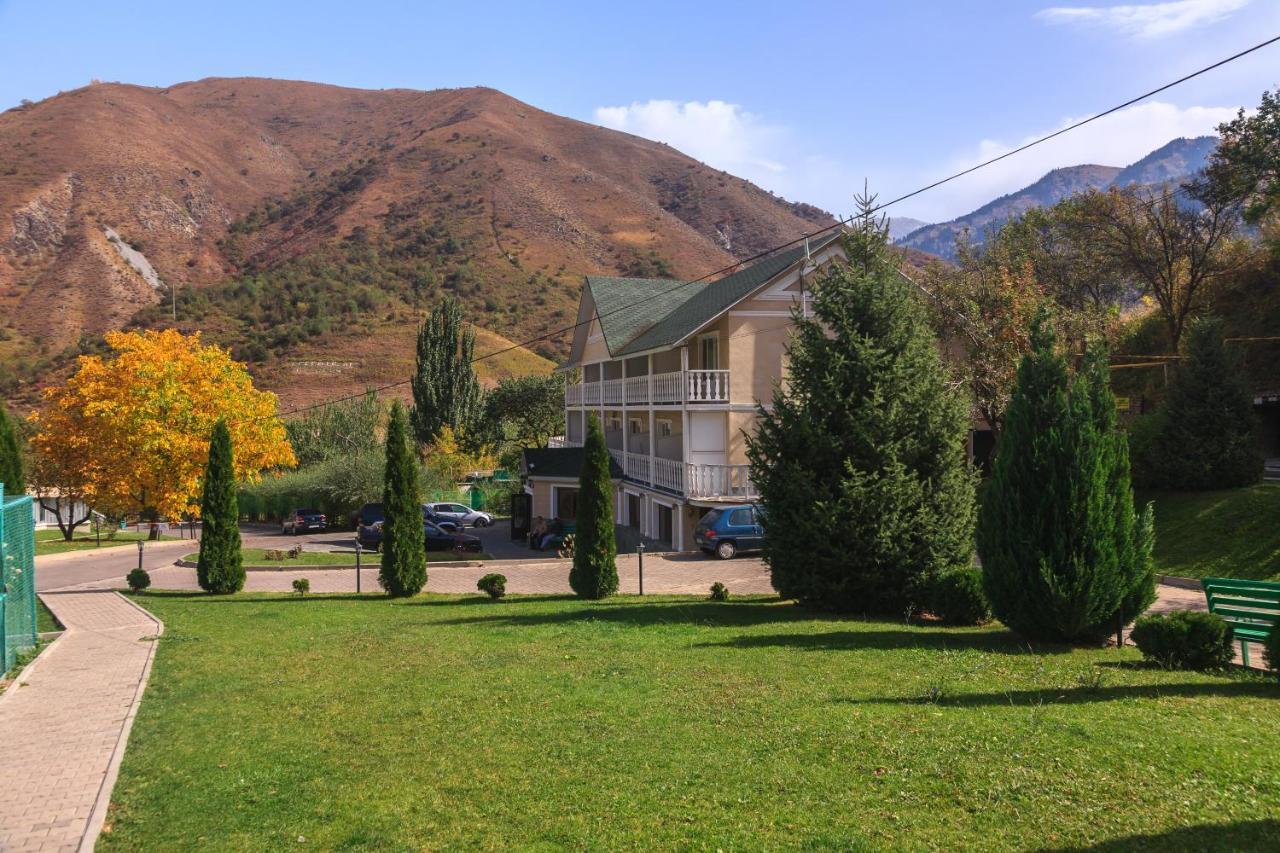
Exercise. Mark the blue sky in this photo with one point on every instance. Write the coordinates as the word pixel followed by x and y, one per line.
pixel 807 99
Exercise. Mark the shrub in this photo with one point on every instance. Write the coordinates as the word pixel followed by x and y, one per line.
pixel 138 580
pixel 1185 639
pixel 719 592
pixel 494 584
pixel 301 586
pixel 1064 555
pixel 958 597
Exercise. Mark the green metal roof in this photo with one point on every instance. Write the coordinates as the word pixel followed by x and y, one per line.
pixel 641 314
pixel 561 462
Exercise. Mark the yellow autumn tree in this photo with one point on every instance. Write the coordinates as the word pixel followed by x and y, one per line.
pixel 135 427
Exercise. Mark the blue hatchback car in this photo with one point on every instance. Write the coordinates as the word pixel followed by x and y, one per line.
pixel 728 530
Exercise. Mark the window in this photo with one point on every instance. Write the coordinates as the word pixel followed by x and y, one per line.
pixel 740 518
pixel 565 503
pixel 637 425
pixel 664 427
pixel 709 352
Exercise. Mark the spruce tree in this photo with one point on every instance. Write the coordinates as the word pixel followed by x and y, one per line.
pixel 1064 557
pixel 595 569
pixel 446 391
pixel 220 568
pixel 861 464
pixel 11 474
pixel 1205 438
pixel 404 556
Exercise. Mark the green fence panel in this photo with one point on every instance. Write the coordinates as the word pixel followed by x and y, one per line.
pixel 18 555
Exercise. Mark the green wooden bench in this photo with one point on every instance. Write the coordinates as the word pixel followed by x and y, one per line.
pixel 1251 608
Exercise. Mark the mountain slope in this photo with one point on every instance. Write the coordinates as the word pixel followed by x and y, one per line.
pixel 1174 162
pixel 241 193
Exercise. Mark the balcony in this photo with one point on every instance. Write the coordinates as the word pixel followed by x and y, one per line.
pixel 691 479
pixel 676 388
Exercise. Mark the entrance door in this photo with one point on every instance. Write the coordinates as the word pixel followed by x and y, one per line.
pixel 633 511
pixel 664 524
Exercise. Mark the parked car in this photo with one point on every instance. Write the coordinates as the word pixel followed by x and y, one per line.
pixel 303 519
pixel 443 540
pixel 727 530
pixel 462 514
pixel 369 525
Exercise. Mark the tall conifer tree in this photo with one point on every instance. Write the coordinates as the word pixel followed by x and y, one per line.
pixel 861 463
pixel 1064 556
pixel 220 568
pixel 446 391
pixel 11 473
pixel 404 556
pixel 1205 438
pixel 595 569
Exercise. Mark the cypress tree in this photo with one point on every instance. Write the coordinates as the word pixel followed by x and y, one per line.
pixel 861 464
pixel 220 568
pixel 1064 556
pixel 11 474
pixel 446 391
pixel 595 569
pixel 1205 438
pixel 404 557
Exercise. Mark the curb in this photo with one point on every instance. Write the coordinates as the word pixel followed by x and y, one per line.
pixel 1180 582
pixel 98 815
pixel 350 567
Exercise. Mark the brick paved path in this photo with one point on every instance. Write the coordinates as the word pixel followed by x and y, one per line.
pixel 65 721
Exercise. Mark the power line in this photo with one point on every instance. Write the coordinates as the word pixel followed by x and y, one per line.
pixel 838 224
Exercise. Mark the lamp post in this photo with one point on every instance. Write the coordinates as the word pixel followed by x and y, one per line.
pixel 640 564
pixel 357 565
pixel 140 545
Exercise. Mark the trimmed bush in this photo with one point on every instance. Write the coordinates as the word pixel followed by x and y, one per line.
pixel 958 597
pixel 494 584
pixel 1185 639
pixel 719 592
pixel 301 586
pixel 138 580
pixel 595 569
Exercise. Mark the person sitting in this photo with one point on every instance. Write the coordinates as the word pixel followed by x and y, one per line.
pixel 555 533
pixel 537 531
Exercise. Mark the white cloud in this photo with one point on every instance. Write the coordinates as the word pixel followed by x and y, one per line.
pixel 1117 140
pixel 1146 20
pixel 718 133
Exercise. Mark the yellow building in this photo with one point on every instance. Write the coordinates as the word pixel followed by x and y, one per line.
pixel 676 371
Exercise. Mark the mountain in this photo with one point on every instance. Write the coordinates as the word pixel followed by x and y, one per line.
pixel 901 226
pixel 1174 162
pixel 310 227
pixel 940 239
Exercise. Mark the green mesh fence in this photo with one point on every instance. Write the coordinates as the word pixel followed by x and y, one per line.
pixel 18 554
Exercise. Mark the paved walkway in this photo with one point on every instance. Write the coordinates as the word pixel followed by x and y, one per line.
pixel 64 723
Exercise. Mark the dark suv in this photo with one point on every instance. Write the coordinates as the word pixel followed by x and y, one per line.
pixel 728 530
pixel 303 519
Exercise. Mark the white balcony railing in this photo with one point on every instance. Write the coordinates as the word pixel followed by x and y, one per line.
pixel 667 388
pixel 689 386
pixel 719 481
pixel 707 386
pixel 668 474
pixel 636 467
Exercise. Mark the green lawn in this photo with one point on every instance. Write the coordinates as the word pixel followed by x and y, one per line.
pixel 258 557
pixel 44 619
pixel 1233 533
pixel 51 541
pixel 360 723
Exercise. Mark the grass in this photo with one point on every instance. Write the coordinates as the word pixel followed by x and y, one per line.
pixel 45 622
pixel 361 723
pixel 258 557
pixel 51 541
pixel 1233 533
